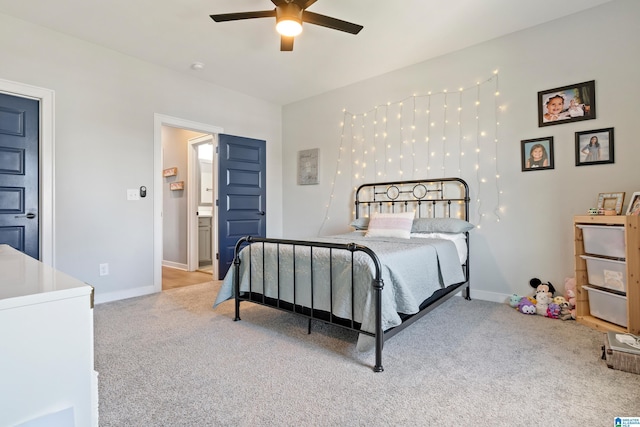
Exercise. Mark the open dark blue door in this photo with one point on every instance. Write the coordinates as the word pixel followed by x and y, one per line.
pixel 241 194
pixel 19 174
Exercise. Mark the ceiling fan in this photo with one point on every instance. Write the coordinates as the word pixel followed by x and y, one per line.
pixel 290 14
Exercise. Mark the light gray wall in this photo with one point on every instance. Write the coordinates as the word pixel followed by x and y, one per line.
pixel 534 237
pixel 104 139
pixel 175 143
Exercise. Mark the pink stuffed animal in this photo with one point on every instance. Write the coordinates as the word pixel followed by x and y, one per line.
pixel 570 294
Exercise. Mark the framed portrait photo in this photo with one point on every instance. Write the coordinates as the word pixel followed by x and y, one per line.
pixel 537 154
pixel 611 201
pixel 567 104
pixel 594 147
pixel 634 204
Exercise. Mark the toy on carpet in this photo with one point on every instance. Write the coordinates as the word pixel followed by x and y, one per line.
pixel 570 295
pixel 553 311
pixel 565 311
pixel 540 287
pixel 543 302
pixel 525 306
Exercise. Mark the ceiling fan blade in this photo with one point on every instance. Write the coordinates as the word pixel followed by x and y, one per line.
pixel 329 22
pixel 279 2
pixel 286 43
pixel 243 15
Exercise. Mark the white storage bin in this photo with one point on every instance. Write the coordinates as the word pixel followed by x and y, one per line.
pixel 607 306
pixel 605 240
pixel 606 273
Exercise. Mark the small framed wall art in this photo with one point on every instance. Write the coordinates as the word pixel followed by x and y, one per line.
pixel 170 172
pixel 308 166
pixel 537 154
pixel 178 185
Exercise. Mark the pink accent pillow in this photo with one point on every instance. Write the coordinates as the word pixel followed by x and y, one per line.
pixel 390 225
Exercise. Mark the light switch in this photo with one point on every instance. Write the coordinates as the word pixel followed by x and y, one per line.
pixel 133 194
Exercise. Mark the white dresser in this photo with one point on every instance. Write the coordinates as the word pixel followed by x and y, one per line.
pixel 47 372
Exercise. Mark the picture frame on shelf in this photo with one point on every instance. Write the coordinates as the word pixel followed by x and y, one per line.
pixel 566 104
pixel 594 147
pixel 611 201
pixel 634 204
pixel 537 154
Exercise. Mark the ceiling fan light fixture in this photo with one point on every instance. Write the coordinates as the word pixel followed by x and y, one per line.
pixel 289 19
pixel 289 27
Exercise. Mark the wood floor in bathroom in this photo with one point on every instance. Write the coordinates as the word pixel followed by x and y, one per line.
pixel 176 278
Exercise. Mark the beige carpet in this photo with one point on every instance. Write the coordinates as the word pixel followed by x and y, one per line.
pixel 169 359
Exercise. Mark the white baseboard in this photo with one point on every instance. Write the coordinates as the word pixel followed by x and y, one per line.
pixel 177 265
pixel 487 296
pixel 129 293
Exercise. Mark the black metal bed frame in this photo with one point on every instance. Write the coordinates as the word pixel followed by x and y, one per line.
pixel 429 195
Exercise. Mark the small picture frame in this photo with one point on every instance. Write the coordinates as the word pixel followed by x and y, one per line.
pixel 566 104
pixel 611 201
pixel 594 147
pixel 308 166
pixel 537 154
pixel 170 172
pixel 178 185
pixel 634 204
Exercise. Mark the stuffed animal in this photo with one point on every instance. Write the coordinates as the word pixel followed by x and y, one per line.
pixel 565 312
pixel 559 300
pixel 514 300
pixel 526 307
pixel 543 303
pixel 553 311
pixel 570 294
pixel 540 287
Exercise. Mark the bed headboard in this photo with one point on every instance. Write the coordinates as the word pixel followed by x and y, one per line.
pixel 429 198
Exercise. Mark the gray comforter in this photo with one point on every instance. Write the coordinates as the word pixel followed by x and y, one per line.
pixel 412 269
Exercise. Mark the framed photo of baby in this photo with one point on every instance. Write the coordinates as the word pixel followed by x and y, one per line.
pixel 567 104
pixel 537 154
pixel 594 147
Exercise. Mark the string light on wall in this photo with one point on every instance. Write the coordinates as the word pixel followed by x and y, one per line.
pixel 372 139
pixel 497 211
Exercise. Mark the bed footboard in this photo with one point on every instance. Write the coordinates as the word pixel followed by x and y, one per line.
pixel 310 310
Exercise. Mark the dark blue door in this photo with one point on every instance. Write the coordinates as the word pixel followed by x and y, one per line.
pixel 19 174
pixel 241 194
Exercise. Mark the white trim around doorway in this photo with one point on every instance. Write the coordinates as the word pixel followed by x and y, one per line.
pixel 46 97
pixel 160 120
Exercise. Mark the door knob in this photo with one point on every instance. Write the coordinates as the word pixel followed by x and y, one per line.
pixel 261 213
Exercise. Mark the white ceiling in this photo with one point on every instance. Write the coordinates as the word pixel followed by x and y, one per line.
pixel 245 55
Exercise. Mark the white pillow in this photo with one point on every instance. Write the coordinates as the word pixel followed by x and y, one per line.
pixel 390 225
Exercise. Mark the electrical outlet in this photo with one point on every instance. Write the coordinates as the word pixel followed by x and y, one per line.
pixel 133 194
pixel 104 269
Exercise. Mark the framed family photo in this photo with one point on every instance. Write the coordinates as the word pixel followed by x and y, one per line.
pixel 594 147
pixel 567 104
pixel 537 154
